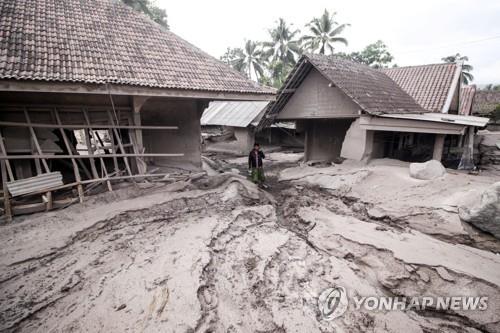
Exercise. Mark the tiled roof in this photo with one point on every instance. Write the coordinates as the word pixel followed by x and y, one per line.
pixel 104 41
pixel 429 85
pixel 371 89
pixel 233 113
pixel 466 97
pixel 485 101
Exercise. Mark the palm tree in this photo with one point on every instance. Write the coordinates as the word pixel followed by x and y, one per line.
pixel 250 59
pixel 283 45
pixel 324 32
pixel 466 68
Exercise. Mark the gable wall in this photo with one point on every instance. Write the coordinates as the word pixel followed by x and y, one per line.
pixel 315 99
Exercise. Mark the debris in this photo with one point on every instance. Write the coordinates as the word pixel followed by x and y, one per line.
pixel 443 273
pixel 121 307
pixel 423 275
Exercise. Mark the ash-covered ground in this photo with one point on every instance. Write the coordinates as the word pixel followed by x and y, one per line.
pixel 218 254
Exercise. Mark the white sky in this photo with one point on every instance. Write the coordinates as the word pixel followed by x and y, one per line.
pixel 416 32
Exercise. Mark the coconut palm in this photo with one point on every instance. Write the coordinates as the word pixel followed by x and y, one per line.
pixel 250 60
pixel 324 32
pixel 466 68
pixel 283 46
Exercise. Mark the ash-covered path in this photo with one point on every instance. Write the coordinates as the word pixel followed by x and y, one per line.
pixel 219 255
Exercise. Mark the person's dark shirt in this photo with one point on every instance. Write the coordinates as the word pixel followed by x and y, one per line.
pixel 255 158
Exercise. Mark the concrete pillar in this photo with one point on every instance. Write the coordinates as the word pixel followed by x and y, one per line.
pixel 438 147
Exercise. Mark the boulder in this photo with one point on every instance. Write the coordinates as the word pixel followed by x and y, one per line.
pixel 428 170
pixel 484 211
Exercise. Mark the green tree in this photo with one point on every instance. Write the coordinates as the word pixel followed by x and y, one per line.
pixel 149 8
pixel 323 33
pixel 495 114
pixel 467 77
pixel 283 45
pixel 375 55
pixel 492 87
pixel 250 60
pixel 231 56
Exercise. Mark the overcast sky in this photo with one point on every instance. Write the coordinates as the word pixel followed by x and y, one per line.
pixel 416 32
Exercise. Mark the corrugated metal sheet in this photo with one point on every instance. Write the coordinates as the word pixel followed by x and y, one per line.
pixel 443 118
pixel 35 184
pixel 236 114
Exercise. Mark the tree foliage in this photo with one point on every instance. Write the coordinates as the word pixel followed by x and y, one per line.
pixel 271 61
pixel 249 60
pixel 323 33
pixel 467 77
pixel 375 55
pixel 149 8
pixel 492 87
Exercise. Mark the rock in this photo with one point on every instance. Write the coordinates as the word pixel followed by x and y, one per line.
pixel 443 273
pixel 376 213
pixel 428 170
pixel 423 276
pixel 484 211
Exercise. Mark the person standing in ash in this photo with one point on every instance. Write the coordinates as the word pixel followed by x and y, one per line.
pixel 255 164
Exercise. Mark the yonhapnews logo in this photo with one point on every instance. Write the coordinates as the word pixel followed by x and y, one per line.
pixel 333 302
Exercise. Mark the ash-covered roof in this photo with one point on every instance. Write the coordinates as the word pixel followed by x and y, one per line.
pixel 236 114
pixel 374 91
pixel 429 85
pixel 105 41
pixel 466 98
pixel 371 89
pixel 485 101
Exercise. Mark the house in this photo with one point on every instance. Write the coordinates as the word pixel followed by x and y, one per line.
pixel 238 120
pixel 98 70
pixel 484 104
pixel 353 111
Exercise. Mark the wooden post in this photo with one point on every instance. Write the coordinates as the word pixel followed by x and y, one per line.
pixel 89 148
pixel 39 152
pixel 6 198
pixel 117 135
pixel 73 162
pixel 35 140
pixel 3 151
pixel 438 147
pixel 90 130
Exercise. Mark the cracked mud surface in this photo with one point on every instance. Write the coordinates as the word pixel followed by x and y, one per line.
pixel 219 255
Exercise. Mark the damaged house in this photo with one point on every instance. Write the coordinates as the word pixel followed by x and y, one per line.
pixel 235 119
pixel 93 92
pixel 353 111
pixel 238 120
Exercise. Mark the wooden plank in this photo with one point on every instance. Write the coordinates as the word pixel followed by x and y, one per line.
pixel 3 152
pixel 103 165
pixel 90 150
pixel 75 127
pixel 35 140
pixel 6 197
pixel 69 148
pixel 117 135
pixel 55 157
pixel 128 90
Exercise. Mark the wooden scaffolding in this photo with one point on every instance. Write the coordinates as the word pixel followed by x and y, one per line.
pixel 110 149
